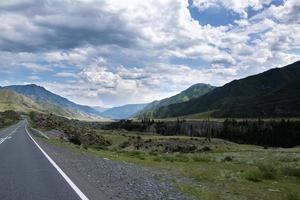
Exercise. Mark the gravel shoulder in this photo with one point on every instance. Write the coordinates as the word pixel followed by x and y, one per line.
pixel 101 178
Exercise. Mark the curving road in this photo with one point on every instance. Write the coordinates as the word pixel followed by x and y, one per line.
pixel 27 173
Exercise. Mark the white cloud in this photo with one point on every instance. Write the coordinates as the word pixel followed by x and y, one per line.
pixel 111 52
pixel 239 7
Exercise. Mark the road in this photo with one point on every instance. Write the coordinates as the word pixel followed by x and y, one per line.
pixel 26 172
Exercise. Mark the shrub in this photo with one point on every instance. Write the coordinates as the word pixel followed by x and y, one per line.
pixel 168 158
pixel 291 171
pixel 75 140
pixel 133 153
pixel 198 158
pixel 157 159
pixel 205 149
pixel 153 153
pixel 182 158
pixel 293 196
pixel 83 146
pixel 227 159
pixel 254 175
pixel 268 171
pixel 124 144
pixel 141 157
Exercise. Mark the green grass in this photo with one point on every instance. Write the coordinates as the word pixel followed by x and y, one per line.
pixel 228 171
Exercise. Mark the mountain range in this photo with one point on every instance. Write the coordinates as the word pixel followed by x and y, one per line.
pixel 123 112
pixel 10 100
pixel 274 93
pixel 192 92
pixel 36 98
pixel 26 98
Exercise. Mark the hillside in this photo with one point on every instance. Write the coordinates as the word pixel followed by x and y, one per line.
pixel 194 91
pixel 273 93
pixel 123 112
pixel 55 103
pixel 100 109
pixel 10 100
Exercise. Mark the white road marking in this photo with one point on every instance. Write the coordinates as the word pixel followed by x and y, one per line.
pixel 9 135
pixel 41 133
pixel 68 180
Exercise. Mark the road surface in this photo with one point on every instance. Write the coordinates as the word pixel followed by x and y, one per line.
pixel 27 173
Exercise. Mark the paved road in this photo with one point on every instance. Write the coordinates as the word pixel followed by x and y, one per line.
pixel 26 173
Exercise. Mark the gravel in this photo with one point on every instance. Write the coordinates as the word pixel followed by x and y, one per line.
pixel 101 178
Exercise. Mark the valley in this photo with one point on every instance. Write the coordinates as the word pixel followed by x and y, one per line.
pixel 199 167
pixel 150 100
pixel 238 141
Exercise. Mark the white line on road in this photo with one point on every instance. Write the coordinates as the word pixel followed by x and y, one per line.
pixel 9 135
pixel 41 133
pixel 69 181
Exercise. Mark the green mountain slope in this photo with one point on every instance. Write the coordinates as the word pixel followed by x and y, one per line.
pixel 268 94
pixel 194 91
pixel 10 100
pixel 52 103
pixel 40 94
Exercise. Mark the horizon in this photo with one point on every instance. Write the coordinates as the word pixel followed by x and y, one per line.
pixel 117 106
pixel 131 53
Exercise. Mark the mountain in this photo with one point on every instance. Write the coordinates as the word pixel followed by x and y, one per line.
pixel 274 93
pixel 54 103
pixel 194 91
pixel 123 112
pixel 10 100
pixel 100 109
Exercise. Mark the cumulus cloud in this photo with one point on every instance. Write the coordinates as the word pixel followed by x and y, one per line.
pixel 111 52
pixel 239 7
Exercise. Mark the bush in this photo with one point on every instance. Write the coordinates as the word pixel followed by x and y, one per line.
pixel 291 171
pixel 268 171
pixel 254 175
pixel 182 158
pixel 227 159
pixel 153 153
pixel 202 158
pixel 293 196
pixel 83 146
pixel 157 159
pixel 168 158
pixel 134 153
pixel 205 149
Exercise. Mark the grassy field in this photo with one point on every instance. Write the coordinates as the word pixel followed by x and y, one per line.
pixel 214 170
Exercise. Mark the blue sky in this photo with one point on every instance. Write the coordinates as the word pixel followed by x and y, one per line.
pixel 111 52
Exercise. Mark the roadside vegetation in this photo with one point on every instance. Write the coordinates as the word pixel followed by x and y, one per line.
pixel 8 118
pixel 204 167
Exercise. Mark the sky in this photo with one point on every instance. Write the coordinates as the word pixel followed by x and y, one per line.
pixel 114 52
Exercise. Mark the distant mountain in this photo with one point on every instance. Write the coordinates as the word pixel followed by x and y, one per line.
pixel 10 100
pixel 123 112
pixel 274 93
pixel 194 91
pixel 54 103
pixel 100 109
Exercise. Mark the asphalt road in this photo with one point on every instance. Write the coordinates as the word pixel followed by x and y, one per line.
pixel 27 173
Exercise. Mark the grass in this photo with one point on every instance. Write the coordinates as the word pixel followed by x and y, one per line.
pixel 228 171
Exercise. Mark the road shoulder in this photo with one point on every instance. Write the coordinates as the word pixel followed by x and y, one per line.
pixel 101 177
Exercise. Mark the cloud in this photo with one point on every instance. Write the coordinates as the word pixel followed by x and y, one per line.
pixel 111 52
pixel 52 25
pixel 66 75
pixel 239 7
pixel 34 78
